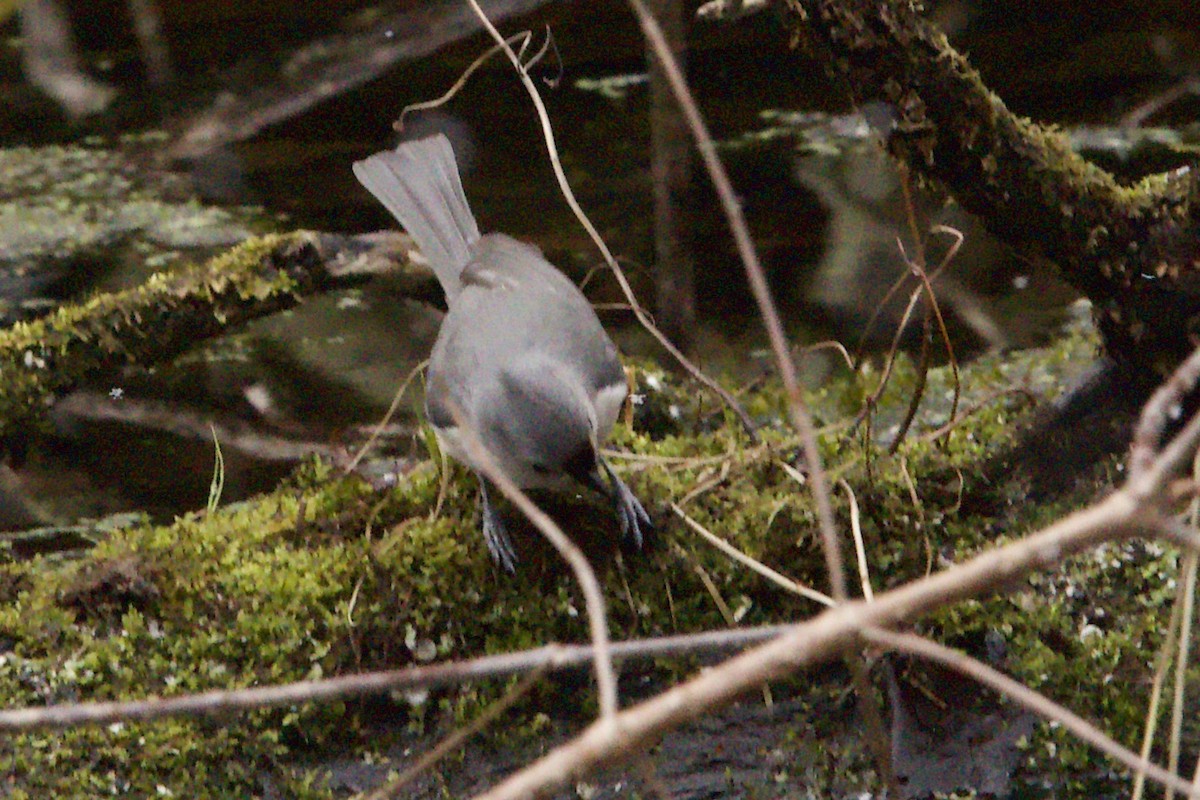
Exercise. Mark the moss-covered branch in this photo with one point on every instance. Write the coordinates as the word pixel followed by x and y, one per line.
pixel 1131 250
pixel 174 311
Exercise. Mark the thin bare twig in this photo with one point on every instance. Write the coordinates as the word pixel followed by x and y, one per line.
pixel 762 569
pixel 707 484
pixel 593 596
pixel 1035 702
pixel 865 331
pixel 1180 533
pixel 860 551
pixel 758 285
pixel 922 374
pixel 915 267
pixel 618 273
pixel 459 736
pixel 387 417
pixel 889 363
pixel 524 37
pixel 927 280
pixel 218 702
pixel 824 637
pixel 800 418
pixel 911 485
pixel 714 593
pixel 932 311
pixel 830 345
pixel 1163 408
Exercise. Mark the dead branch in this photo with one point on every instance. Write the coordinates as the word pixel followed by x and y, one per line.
pixel 823 638
pixel 552 657
pixel 1129 249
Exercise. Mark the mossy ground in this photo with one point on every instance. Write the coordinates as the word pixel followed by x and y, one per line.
pixel 328 576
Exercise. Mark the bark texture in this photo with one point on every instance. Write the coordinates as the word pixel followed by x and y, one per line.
pixel 1132 250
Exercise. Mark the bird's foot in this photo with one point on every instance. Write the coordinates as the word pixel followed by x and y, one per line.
pixel 630 512
pixel 499 544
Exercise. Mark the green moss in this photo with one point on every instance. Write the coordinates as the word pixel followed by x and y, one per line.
pixel 326 576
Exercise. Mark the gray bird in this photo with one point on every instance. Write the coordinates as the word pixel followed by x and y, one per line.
pixel 520 355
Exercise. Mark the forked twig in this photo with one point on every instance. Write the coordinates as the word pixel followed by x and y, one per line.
pixel 524 37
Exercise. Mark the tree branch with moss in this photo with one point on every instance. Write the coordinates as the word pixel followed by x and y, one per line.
pixel 1130 249
pixel 174 311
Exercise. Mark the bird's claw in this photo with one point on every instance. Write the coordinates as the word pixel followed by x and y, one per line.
pixel 495 535
pixel 630 512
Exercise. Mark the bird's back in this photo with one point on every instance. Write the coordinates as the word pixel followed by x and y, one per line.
pixel 515 305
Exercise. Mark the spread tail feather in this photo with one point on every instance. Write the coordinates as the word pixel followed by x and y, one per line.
pixel 418 183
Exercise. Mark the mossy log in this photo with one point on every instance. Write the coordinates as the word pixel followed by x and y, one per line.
pixel 328 576
pixel 174 311
pixel 1132 250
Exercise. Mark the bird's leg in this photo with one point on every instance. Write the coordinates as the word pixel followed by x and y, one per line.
pixel 494 534
pixel 630 512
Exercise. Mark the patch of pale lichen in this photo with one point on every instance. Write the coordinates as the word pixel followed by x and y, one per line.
pixel 326 576
pixel 72 202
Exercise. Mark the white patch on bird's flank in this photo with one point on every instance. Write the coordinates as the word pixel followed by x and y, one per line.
pixel 608 403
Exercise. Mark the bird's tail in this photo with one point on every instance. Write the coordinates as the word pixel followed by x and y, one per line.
pixel 418 182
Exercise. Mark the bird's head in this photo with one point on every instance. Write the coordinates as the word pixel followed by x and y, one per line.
pixel 541 426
